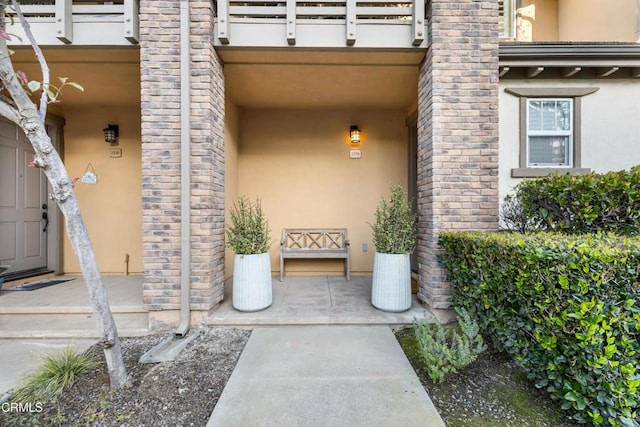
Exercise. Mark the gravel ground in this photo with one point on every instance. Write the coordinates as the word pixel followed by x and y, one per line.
pixel 179 393
pixel 491 392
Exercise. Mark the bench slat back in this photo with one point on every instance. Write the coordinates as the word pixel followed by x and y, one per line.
pixel 316 239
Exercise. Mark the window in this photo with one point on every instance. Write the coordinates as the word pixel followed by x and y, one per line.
pixel 550 120
pixel 506 11
pixel 549 132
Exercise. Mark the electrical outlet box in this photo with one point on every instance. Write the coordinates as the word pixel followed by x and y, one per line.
pixel 115 153
pixel 365 247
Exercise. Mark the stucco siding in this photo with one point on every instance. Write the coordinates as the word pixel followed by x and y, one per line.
pixel 609 125
pixel 112 208
pixel 597 20
pixel 231 142
pixel 297 162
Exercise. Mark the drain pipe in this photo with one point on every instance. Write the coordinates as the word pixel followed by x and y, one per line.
pixel 185 173
pixel 638 21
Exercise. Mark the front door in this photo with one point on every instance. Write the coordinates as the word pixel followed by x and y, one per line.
pixel 23 204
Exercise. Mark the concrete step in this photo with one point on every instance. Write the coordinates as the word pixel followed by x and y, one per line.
pixel 67 322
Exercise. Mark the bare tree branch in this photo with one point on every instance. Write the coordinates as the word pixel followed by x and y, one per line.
pixel 43 62
pixel 17 105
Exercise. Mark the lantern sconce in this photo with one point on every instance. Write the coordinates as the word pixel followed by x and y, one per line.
pixel 354 133
pixel 111 133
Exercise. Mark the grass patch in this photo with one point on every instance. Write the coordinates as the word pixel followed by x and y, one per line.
pixel 55 373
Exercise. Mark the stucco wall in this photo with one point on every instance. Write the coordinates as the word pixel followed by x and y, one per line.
pixel 537 20
pixel 112 208
pixel 597 20
pixel 610 126
pixel 577 20
pixel 297 162
pixel 231 140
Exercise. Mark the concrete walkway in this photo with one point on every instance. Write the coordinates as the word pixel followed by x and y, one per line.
pixel 325 376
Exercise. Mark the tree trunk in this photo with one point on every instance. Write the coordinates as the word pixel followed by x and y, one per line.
pixel 21 110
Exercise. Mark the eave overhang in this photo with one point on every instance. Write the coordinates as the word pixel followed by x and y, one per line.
pixel 569 60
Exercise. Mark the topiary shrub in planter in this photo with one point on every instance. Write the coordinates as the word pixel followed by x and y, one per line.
pixel 248 237
pixel 394 235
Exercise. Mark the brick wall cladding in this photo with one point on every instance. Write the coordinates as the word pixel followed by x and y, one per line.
pixel 160 91
pixel 457 133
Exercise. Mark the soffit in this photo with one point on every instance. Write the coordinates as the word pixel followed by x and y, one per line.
pixel 298 79
pixel 109 76
pixel 321 79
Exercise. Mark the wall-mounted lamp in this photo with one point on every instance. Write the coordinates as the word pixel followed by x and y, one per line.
pixel 111 133
pixel 354 133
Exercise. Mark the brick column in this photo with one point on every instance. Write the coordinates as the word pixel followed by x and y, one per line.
pixel 160 92
pixel 207 161
pixel 457 132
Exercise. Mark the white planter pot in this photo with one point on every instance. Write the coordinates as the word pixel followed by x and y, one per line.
pixel 391 287
pixel 252 282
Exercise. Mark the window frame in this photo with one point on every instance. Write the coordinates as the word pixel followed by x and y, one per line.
pixel 526 93
pixel 507 19
pixel 543 133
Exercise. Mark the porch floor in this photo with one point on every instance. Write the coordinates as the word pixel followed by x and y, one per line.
pixel 64 310
pixel 317 300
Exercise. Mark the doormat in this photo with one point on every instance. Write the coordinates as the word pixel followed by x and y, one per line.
pixel 37 285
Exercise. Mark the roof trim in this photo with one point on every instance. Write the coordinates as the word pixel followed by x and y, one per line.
pixel 569 60
pixel 531 92
pixel 569 50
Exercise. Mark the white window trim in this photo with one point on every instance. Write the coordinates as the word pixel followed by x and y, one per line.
pixel 508 18
pixel 569 133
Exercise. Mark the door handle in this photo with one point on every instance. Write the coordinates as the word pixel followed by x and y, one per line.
pixel 46 224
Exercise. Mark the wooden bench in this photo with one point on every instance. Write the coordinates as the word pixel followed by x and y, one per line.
pixel 317 243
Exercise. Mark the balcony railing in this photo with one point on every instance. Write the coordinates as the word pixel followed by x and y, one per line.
pixel 326 23
pixel 78 22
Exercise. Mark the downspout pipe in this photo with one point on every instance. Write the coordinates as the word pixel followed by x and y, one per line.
pixel 638 21
pixel 185 173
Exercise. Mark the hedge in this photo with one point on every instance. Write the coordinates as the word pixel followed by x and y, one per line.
pixel 567 307
pixel 607 202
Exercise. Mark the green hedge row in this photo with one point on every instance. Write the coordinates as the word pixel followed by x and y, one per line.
pixel 581 204
pixel 567 307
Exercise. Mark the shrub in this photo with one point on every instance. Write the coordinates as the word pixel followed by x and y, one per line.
pixel 513 217
pixel 567 307
pixel 394 230
pixel 249 230
pixel 581 204
pixel 444 350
